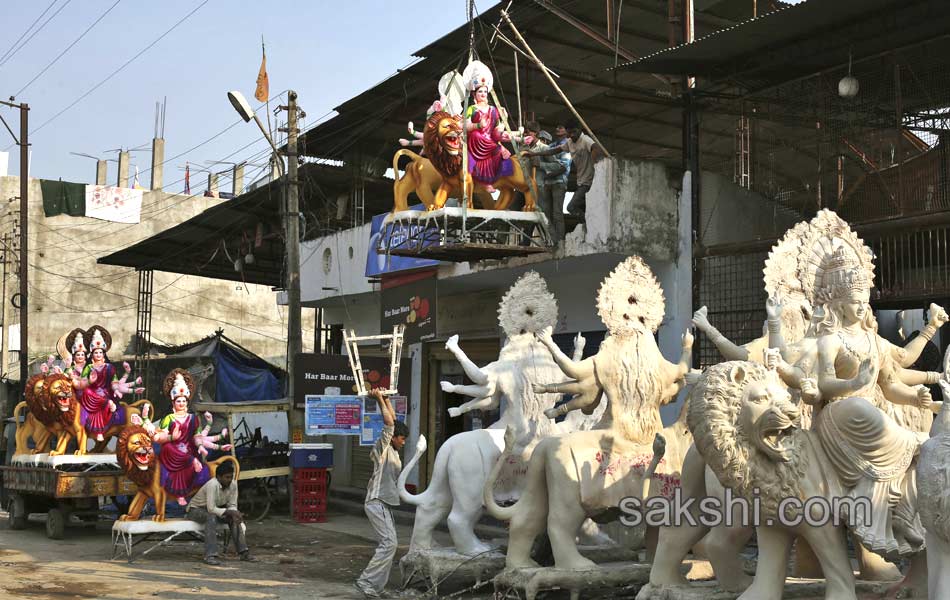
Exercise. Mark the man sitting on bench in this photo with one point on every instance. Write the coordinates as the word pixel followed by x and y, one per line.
pixel 218 499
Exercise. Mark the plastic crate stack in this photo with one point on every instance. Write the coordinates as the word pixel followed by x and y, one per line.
pixel 310 495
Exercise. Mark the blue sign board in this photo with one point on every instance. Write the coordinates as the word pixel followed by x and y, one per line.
pixel 333 415
pixel 373 420
pixel 378 264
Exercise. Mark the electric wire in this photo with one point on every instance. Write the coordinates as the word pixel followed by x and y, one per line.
pixel 28 29
pixel 67 49
pixel 118 70
pixel 10 55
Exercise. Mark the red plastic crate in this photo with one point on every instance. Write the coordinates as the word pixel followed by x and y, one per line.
pixel 310 489
pixel 307 516
pixel 319 475
pixel 309 504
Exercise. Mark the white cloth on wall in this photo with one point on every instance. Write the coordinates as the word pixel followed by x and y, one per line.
pixel 120 205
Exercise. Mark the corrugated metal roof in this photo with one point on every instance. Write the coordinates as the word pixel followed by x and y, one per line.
pixel 801 39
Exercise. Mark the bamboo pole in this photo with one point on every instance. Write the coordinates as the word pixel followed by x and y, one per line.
pixel 537 61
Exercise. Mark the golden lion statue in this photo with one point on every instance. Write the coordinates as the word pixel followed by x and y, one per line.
pixel 54 410
pixel 436 177
pixel 137 458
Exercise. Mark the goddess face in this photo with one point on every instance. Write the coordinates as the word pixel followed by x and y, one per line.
pixel 855 308
pixel 98 355
pixel 180 405
pixel 481 95
pixel 79 357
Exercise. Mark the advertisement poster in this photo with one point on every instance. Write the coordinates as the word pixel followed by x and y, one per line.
pixel 413 305
pixel 373 420
pixel 377 264
pixel 333 415
pixel 331 375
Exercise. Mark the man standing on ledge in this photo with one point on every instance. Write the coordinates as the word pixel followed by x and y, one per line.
pixel 584 153
pixel 382 494
pixel 216 499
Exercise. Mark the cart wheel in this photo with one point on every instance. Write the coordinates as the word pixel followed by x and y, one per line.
pixel 55 523
pixel 16 511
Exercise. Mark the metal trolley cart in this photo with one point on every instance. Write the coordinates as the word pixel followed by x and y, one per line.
pixel 264 463
pixel 61 486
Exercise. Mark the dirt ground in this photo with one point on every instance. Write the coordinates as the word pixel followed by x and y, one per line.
pixel 295 562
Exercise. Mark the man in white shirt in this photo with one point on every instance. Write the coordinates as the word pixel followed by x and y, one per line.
pixel 381 494
pixel 217 499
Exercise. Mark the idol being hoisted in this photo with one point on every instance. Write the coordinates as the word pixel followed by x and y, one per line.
pixel 490 165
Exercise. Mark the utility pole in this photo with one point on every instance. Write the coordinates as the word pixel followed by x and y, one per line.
pixel 4 352
pixel 292 235
pixel 24 243
pixel 24 144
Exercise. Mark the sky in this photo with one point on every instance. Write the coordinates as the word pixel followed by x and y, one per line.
pixel 326 51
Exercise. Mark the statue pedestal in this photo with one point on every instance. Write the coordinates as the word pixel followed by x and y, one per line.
pixel 798 589
pixel 606 577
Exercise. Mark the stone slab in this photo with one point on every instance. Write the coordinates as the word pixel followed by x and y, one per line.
pixel 605 577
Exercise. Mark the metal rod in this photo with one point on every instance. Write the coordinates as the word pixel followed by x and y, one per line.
pixel 538 62
pixel 518 87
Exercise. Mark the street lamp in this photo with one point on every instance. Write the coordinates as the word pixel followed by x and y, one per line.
pixel 239 102
pixel 291 240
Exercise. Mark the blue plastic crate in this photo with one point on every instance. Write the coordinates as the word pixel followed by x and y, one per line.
pixel 311 456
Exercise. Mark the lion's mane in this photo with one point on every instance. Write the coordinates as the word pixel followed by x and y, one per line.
pixel 446 164
pixel 38 400
pixel 713 418
pixel 142 479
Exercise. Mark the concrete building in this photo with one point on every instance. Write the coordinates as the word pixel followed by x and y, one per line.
pixel 69 289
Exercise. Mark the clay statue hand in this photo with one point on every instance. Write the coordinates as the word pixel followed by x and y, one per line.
pixel 126 367
pixel 545 334
pixel 700 320
pixel 455 412
pixel 136 420
pixel 692 377
pixel 924 399
pixel 67 361
pixel 112 406
pixel 866 374
pixel 810 393
pixel 93 377
pixel 938 316
pixel 659 445
pixel 579 342
pixel 208 417
pixel 773 358
pixel 411 128
pixel 447 386
pixel 176 435
pixel 773 308
pixel 688 339
pixel 505 153
pixel 452 343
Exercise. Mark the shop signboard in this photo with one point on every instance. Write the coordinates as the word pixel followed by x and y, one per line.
pixel 397 235
pixel 331 375
pixel 411 304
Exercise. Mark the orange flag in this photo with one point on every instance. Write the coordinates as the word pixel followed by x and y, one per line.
pixel 262 93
